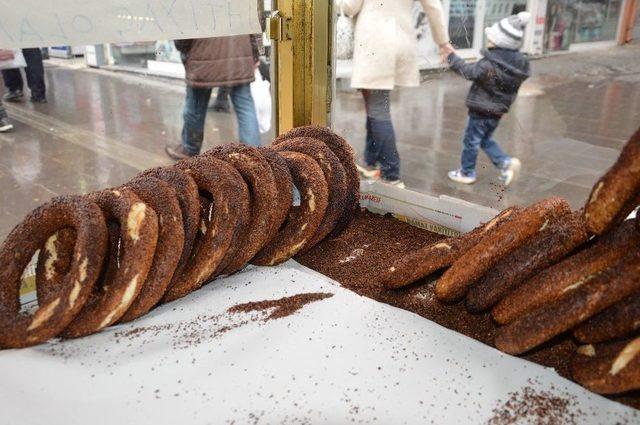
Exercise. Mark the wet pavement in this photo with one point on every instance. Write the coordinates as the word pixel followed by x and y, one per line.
pixel 97 130
pixel 100 128
pixel 567 126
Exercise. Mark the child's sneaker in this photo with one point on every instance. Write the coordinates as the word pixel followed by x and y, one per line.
pixel 460 176
pixel 397 183
pixel 368 172
pixel 5 125
pixel 510 171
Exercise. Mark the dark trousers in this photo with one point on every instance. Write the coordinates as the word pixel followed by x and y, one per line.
pixel 380 144
pixel 34 71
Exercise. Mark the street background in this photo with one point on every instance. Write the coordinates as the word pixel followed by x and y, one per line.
pixel 102 127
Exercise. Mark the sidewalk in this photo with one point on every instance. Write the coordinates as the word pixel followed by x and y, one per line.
pixel 100 128
pixel 567 126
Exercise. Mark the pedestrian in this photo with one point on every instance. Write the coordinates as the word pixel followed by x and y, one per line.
pixel 228 62
pixel 496 80
pixel 385 56
pixel 35 78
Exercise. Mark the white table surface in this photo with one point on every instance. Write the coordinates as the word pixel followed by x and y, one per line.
pixel 345 359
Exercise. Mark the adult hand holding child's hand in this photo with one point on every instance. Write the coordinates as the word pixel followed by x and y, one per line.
pixel 445 50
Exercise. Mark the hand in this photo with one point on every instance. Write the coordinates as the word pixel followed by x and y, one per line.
pixel 445 50
pixel 6 55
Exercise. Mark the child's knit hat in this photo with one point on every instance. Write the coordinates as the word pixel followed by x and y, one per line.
pixel 509 32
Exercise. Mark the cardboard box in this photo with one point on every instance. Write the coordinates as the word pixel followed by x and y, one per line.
pixel 440 214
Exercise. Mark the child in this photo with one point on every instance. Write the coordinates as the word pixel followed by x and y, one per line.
pixel 496 80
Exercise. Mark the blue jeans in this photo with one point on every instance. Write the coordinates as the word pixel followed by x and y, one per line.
pixel 478 136
pixel 380 144
pixel 195 112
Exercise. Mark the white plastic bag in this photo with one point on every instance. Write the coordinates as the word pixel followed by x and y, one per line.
pixel 17 61
pixel 344 36
pixel 261 93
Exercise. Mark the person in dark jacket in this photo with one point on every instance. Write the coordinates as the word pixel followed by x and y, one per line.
pixel 496 80
pixel 228 62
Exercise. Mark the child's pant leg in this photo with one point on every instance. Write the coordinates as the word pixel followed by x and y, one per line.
pixel 490 146
pixel 473 136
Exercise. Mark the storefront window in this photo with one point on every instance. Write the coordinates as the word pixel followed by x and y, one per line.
pixel 636 28
pixel 498 9
pixel 562 150
pixel 495 10
pixel 133 54
pixel 570 21
pixel 462 22
pixel 560 20
pixel 596 20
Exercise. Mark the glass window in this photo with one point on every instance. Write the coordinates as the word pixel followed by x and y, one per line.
pixel 596 20
pixel 565 130
pixel 560 21
pixel 462 21
pixel 570 21
pixel 498 9
pixel 133 54
pixel 76 131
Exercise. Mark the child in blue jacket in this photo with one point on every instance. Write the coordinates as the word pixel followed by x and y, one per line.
pixel 496 80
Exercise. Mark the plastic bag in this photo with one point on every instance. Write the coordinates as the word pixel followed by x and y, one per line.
pixel 17 61
pixel 261 93
pixel 344 36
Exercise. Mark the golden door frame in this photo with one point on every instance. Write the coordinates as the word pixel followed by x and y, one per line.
pixel 301 32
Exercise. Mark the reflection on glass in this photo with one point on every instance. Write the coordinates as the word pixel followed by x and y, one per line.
pixel 636 28
pixel 385 57
pixel 498 9
pixel 596 20
pixel 133 54
pixel 559 23
pixel 566 128
pixel 570 21
pixel 462 23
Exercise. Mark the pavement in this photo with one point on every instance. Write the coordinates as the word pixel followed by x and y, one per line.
pixel 567 126
pixel 100 128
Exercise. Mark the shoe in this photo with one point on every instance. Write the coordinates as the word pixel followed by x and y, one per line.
pixel 368 172
pixel 397 183
pixel 5 125
pixel 177 152
pixel 460 176
pixel 510 172
pixel 13 95
pixel 39 99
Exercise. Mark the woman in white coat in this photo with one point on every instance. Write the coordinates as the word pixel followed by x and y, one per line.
pixel 385 56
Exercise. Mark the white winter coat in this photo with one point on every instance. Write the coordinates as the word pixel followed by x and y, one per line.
pixel 385 46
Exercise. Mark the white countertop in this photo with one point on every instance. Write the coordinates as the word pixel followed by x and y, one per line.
pixel 340 360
